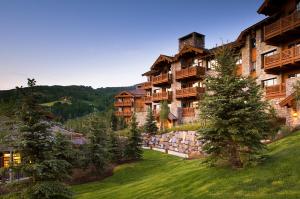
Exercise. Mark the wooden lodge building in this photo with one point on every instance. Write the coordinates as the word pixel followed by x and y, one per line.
pixel 268 51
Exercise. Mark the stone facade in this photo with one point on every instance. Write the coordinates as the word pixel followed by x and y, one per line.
pixel 183 142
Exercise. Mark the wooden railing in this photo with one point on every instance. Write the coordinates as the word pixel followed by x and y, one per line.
pixel 148 99
pixel 123 113
pixel 196 71
pixel 282 58
pixel 282 25
pixel 275 91
pixel 147 85
pixel 162 96
pixel 188 112
pixel 123 103
pixel 189 92
pixel 161 79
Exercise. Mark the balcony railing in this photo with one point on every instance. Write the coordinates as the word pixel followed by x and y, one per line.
pixel 188 112
pixel 147 85
pixel 163 78
pixel 285 57
pixel 148 99
pixel 189 92
pixel 123 103
pixel 275 91
pixel 282 25
pixel 162 96
pixel 190 72
pixel 123 113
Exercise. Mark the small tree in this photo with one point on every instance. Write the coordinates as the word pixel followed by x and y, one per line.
pixel 150 125
pixel 36 146
pixel 237 116
pixel 163 114
pixel 133 149
pixel 114 122
pixel 115 149
pixel 99 144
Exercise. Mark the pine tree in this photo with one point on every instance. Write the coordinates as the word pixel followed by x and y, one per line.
pixel 133 149
pixel 150 125
pixel 164 114
pixel 36 146
pixel 115 149
pixel 237 116
pixel 114 122
pixel 99 144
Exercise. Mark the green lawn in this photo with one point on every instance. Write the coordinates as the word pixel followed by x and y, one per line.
pixel 160 176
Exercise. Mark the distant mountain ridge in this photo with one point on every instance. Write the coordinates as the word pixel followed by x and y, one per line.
pixel 82 99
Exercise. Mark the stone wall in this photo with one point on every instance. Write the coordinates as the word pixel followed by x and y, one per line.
pixel 141 117
pixel 175 142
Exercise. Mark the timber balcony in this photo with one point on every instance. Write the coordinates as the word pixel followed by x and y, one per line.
pixel 275 91
pixel 147 85
pixel 162 96
pixel 282 28
pixel 163 78
pixel 281 60
pixel 123 113
pixel 190 72
pixel 123 103
pixel 148 99
pixel 188 112
pixel 189 92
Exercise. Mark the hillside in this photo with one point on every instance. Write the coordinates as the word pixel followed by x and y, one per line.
pixel 167 177
pixel 66 102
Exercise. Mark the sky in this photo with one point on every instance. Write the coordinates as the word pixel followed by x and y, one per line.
pixel 104 43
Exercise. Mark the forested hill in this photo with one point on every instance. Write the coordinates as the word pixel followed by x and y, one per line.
pixel 68 102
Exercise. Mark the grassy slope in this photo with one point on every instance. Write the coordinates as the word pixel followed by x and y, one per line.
pixel 163 176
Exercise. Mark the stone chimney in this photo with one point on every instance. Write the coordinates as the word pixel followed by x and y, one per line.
pixel 193 39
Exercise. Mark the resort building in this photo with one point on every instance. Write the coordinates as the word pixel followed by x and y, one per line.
pixel 268 51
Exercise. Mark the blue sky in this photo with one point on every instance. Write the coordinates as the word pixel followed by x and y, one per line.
pixel 106 43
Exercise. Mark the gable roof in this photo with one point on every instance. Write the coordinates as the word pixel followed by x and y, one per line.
pixel 124 94
pixel 138 92
pixel 188 49
pixel 288 101
pixel 160 59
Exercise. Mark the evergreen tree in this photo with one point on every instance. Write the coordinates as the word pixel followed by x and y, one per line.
pixel 150 125
pixel 133 149
pixel 36 146
pixel 164 113
pixel 114 122
pixel 99 144
pixel 115 149
pixel 237 116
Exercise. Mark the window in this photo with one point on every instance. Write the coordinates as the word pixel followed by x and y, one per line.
pixel 295 75
pixel 269 82
pixel 253 42
pixel 239 60
pixel 211 64
pixel 298 6
pixel 253 67
pixel 267 54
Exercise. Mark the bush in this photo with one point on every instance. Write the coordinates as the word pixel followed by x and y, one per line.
pixel 284 131
pixel 49 190
pixel 195 126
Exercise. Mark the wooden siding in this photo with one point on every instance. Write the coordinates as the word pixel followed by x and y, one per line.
pixel 282 25
pixel 188 112
pixel 163 78
pixel 285 57
pixel 189 92
pixel 190 72
pixel 275 91
pixel 162 96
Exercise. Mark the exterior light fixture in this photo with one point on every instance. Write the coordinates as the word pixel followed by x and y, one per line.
pixel 295 114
